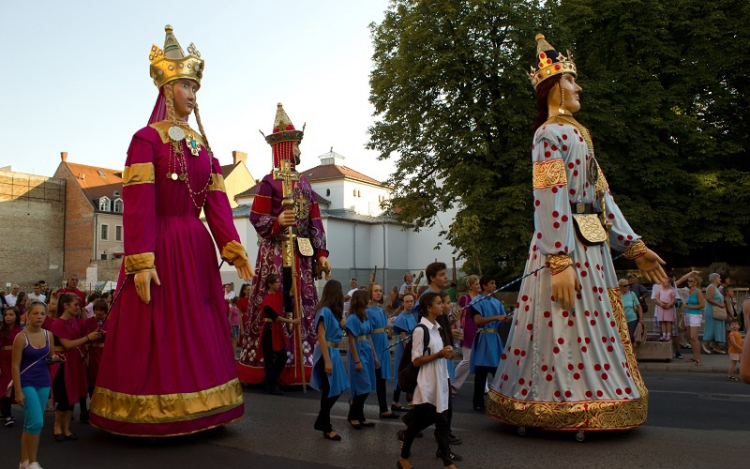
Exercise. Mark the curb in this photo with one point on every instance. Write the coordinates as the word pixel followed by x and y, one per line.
pixel 663 367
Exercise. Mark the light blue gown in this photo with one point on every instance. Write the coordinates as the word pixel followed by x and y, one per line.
pixel 363 382
pixel 380 340
pixel 405 322
pixel 487 346
pixel 715 330
pixel 337 379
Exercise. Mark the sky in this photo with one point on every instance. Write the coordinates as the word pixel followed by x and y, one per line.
pixel 76 77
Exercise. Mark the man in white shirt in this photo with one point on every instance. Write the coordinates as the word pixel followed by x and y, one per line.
pixel 11 298
pixel 408 279
pixel 228 292
pixel 38 295
pixel 348 297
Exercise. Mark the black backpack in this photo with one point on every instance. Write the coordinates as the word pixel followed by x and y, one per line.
pixel 407 372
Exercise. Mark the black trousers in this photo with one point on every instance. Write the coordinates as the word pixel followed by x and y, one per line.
pixel 357 408
pixel 480 380
pixel 274 361
pixel 380 389
pixel 420 417
pixel 323 422
pixel 61 392
pixel 5 408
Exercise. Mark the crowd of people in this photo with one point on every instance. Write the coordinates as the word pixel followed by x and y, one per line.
pixel 50 351
pixel 682 307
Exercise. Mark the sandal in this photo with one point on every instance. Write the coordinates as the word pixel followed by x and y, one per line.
pixel 367 424
pixel 356 426
pixel 332 436
pixel 71 437
pixel 719 351
pixel 59 437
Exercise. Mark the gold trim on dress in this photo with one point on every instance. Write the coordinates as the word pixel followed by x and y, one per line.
pixel 635 250
pixel 549 174
pixel 601 182
pixel 232 251
pixel 168 435
pixel 556 263
pixel 138 173
pixel 165 408
pixel 217 183
pixel 137 263
pixel 162 127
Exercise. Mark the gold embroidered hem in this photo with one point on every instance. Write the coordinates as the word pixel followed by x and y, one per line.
pixel 217 183
pixel 586 415
pixel 615 299
pixel 138 173
pixel 166 408
pixel 137 263
pixel 549 173
pixel 232 251
pixel 636 250
pixel 93 424
pixel 556 263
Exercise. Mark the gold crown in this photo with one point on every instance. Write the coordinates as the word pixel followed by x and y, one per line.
pixel 171 63
pixel 550 63
pixel 283 129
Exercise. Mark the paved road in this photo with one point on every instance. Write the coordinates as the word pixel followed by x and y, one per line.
pixel 695 421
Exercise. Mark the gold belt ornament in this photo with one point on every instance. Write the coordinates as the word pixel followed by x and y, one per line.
pixel 268 320
pixel 379 331
pixel 589 229
pixel 488 330
pixel 363 337
pixel 332 344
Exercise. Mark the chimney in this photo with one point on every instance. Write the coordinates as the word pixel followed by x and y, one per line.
pixel 238 156
pixel 64 155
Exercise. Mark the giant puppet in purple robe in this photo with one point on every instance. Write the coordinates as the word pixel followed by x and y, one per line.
pixel 168 365
pixel 270 220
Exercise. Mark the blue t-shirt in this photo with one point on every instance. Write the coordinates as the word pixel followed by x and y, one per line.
pixel 629 303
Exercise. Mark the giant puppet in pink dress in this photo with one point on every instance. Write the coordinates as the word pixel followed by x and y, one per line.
pixel 168 366
pixel 568 363
pixel 266 217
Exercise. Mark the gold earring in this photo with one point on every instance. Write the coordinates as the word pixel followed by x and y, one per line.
pixel 562 101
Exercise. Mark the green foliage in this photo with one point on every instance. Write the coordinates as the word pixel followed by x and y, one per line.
pixel 665 96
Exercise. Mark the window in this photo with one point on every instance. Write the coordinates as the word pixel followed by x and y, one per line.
pixel 328 192
pixel 104 204
pixel 118 233
pixel 118 206
pixel 105 229
pixel 355 193
pixel 103 256
pixel 359 194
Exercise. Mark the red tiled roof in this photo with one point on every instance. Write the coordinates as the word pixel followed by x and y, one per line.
pixel 96 181
pixel 333 171
pixel 248 193
pixel 226 169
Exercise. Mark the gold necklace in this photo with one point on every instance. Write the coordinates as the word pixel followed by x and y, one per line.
pixel 581 129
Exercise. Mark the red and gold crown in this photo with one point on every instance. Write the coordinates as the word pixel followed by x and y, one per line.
pixel 171 63
pixel 550 63
pixel 283 138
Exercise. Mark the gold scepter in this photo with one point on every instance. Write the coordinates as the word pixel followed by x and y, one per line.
pixel 289 256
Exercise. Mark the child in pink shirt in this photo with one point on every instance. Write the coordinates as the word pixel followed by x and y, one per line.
pixel 665 311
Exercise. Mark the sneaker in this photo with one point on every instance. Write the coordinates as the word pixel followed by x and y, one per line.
pixel 34 465
pixel 705 349
pixel 453 456
pixel 24 465
pixel 678 355
pixel 9 421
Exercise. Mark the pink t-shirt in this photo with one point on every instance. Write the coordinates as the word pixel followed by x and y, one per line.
pixel 234 315
pixel 666 295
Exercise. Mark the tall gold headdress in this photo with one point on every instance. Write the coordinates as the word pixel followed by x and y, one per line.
pixel 171 63
pixel 550 62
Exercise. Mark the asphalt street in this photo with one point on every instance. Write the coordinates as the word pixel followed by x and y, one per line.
pixel 695 421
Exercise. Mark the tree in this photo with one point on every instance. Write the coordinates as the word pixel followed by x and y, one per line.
pixel 456 110
pixel 666 90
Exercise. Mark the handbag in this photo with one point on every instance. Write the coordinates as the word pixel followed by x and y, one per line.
pixel 589 229
pixel 720 313
pixel 641 334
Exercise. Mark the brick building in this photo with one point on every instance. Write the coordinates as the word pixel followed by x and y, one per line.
pixel 31 229
pixel 93 216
